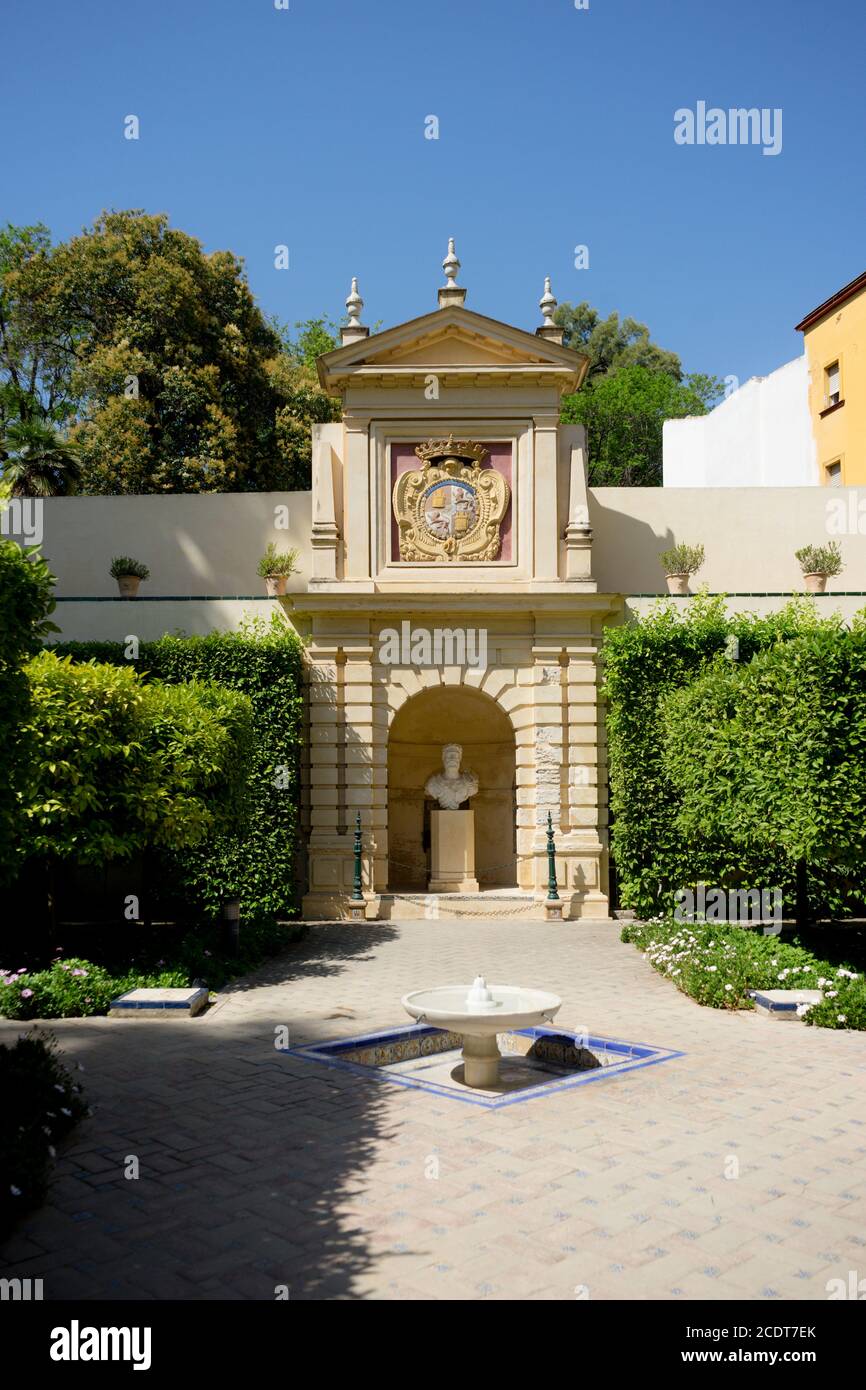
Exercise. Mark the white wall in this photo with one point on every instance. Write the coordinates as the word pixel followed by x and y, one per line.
pixel 761 436
pixel 749 535
pixel 204 549
pixel 192 544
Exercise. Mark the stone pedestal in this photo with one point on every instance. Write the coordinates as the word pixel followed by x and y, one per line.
pixel 452 852
pixel 481 1056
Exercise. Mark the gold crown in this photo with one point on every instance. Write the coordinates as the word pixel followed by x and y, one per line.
pixel 465 449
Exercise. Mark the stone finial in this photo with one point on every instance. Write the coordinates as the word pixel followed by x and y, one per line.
pixel 451 293
pixel 451 265
pixel 355 304
pixel 354 329
pixel 547 304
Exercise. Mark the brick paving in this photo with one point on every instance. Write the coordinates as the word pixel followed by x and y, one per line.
pixel 260 1170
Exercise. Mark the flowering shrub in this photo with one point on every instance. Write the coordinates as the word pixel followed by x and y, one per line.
pixel 41 1104
pixel 75 988
pixel 71 989
pixel 719 964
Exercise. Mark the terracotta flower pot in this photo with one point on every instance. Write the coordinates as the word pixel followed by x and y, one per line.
pixel 678 583
pixel 815 583
pixel 128 585
pixel 276 585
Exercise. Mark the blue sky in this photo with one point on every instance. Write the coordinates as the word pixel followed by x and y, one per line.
pixel 305 127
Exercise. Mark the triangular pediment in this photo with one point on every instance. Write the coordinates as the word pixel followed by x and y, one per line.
pixel 453 338
pixel 452 347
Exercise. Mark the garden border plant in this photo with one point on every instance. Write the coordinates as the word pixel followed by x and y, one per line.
pixel 41 1105
pixel 718 965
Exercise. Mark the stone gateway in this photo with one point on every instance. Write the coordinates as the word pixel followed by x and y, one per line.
pixel 469 502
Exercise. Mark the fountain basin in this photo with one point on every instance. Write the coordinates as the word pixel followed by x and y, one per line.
pixel 477 1013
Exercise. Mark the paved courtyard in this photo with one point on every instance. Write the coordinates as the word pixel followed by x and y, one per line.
pixel 734 1171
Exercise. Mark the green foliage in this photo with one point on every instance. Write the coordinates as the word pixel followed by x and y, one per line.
pixel 37 461
pixel 119 764
pixel 155 349
pixel 72 988
pixel 643 661
pixel 277 562
pixel 41 1104
pixel 682 559
pixel 36 354
pixel 265 664
pixel 613 343
pixel 624 411
pixel 26 599
pixel 718 966
pixel 820 559
pixel 79 988
pixel 771 753
pixel 157 357
pixel 123 565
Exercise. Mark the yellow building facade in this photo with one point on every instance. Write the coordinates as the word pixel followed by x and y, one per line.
pixel 835 342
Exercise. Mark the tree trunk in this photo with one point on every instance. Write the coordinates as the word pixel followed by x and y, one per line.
pixel 803 912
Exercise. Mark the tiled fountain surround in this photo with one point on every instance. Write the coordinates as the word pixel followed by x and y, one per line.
pixel 536 1062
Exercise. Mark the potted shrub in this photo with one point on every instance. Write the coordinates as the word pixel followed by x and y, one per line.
pixel 818 563
pixel 129 574
pixel 275 566
pixel 680 562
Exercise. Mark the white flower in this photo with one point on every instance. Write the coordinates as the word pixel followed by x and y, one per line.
pixel 729 986
pixel 842 1018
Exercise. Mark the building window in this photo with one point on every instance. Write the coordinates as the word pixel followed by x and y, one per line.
pixel 831 383
pixel 833 473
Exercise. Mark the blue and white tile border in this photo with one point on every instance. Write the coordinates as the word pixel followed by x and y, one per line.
pixel 636 1055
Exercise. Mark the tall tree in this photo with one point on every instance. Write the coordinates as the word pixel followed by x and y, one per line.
pixel 613 343
pixel 159 355
pixel 624 414
pixel 36 460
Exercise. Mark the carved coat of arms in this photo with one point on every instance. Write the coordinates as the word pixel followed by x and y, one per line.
pixel 451 508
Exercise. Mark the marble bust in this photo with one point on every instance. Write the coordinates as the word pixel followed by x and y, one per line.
pixel 451 787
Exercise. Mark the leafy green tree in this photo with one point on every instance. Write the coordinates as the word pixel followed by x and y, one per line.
pixel 624 412
pixel 304 403
pixel 37 461
pixel 158 353
pixel 37 341
pixel 612 343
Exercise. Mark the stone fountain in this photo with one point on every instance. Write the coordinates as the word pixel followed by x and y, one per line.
pixel 478 1012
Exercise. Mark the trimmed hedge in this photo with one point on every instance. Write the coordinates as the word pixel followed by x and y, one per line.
pixel 772 755
pixel 644 661
pixel 265 663
pixel 119 764
pixel 26 599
